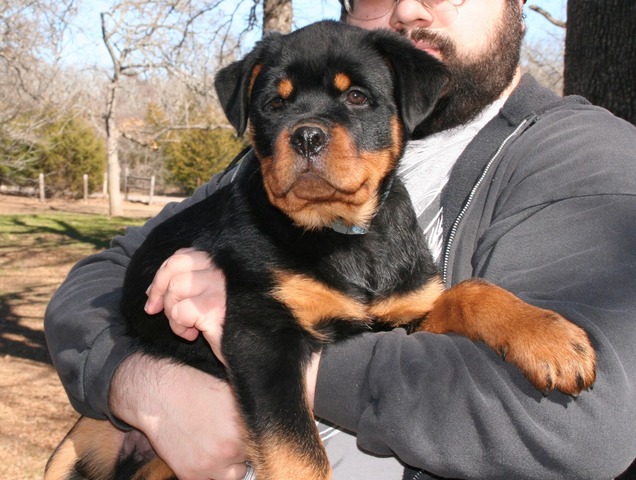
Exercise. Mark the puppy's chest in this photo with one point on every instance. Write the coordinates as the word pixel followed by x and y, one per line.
pixel 364 293
pixel 362 273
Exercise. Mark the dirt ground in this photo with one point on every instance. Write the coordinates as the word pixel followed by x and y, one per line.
pixel 34 411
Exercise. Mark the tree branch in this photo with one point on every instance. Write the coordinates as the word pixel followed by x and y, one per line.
pixel 548 16
pixel 150 139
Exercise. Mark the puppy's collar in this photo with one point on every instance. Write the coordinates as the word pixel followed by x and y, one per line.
pixel 340 227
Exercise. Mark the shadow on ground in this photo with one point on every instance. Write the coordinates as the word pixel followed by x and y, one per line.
pixel 17 338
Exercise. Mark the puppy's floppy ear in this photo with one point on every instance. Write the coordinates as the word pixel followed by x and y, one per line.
pixel 419 77
pixel 234 83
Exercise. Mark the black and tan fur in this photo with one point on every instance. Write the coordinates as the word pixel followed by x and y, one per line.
pixel 328 109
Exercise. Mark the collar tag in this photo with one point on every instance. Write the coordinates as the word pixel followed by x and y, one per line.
pixel 340 227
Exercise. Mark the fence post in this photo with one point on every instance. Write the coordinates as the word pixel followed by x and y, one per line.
pixel 85 177
pixel 41 182
pixel 126 173
pixel 152 189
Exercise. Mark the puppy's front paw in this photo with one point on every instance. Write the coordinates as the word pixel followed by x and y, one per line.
pixel 549 349
pixel 553 353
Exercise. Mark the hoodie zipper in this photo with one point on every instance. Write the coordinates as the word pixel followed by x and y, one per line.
pixel 417 475
pixel 455 226
pixel 250 475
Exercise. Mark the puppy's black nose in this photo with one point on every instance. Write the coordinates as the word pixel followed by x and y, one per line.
pixel 308 140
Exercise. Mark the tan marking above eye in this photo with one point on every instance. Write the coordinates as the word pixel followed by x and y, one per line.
pixel 285 88
pixel 342 81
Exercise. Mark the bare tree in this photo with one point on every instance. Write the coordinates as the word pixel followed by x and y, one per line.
pixel 32 36
pixel 177 38
pixel 548 16
pixel 144 36
pixel 600 53
pixel 542 55
pixel 543 59
pixel 31 41
pixel 277 16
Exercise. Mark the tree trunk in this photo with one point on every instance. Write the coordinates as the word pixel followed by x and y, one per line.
pixel 115 203
pixel 277 16
pixel 600 54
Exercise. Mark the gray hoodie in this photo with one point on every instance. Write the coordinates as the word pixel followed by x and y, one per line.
pixel 543 203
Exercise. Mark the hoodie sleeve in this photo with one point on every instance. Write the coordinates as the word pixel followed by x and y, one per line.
pixel 555 223
pixel 84 330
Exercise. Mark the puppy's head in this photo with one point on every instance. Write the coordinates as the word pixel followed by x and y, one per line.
pixel 329 108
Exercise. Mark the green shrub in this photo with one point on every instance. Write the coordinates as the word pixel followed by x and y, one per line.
pixel 196 155
pixel 70 149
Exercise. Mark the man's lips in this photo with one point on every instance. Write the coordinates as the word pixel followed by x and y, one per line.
pixel 430 42
pixel 428 48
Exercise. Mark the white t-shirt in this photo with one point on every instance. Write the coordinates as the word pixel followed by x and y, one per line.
pixel 426 166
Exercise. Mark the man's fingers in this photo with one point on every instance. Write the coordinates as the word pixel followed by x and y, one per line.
pixel 191 292
pixel 183 261
pixel 197 314
pixel 154 304
pixel 204 288
pixel 204 313
pixel 177 282
pixel 187 333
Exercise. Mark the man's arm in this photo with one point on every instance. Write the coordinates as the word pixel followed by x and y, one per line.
pixel 561 236
pixel 453 407
pixel 84 330
pixel 190 417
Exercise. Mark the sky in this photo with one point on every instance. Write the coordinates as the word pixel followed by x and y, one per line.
pixel 85 48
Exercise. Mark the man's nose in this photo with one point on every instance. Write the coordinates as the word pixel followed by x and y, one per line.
pixel 409 14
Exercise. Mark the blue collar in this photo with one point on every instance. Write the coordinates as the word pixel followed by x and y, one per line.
pixel 340 227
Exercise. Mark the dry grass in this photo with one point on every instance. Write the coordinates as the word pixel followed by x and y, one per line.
pixel 34 411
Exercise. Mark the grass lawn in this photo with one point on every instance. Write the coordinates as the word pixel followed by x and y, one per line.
pixel 59 230
pixel 36 252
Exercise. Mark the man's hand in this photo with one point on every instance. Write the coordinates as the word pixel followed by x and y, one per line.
pixel 195 427
pixel 191 292
pixel 189 417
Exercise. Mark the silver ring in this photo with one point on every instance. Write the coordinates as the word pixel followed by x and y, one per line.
pixel 249 475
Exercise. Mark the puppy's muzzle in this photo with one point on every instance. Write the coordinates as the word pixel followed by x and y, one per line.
pixel 308 140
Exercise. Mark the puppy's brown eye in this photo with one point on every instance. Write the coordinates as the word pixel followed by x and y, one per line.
pixel 277 103
pixel 356 97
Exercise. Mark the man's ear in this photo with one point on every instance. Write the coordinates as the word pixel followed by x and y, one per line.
pixel 419 78
pixel 234 84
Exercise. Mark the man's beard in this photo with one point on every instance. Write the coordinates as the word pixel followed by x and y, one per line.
pixel 475 82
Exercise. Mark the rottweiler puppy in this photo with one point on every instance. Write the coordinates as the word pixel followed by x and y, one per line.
pixel 318 240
